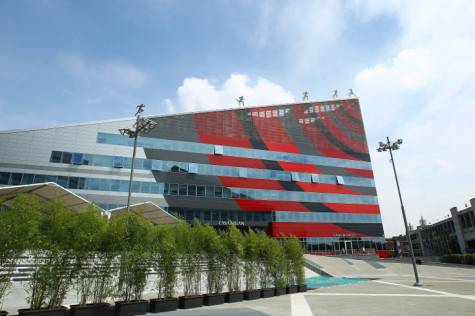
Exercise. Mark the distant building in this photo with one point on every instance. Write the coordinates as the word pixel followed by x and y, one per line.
pixel 454 234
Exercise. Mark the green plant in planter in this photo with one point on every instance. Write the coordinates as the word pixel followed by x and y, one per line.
pixel 233 256
pixel 164 258
pixel 293 253
pixel 132 240
pixel 19 230
pixel 277 263
pixel 190 256
pixel 214 252
pixel 90 230
pixel 53 257
pixel 265 260
pixel 250 256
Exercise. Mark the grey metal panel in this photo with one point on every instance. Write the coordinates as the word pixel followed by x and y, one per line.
pixel 203 203
pixel 161 154
pixel 176 127
pixel 363 190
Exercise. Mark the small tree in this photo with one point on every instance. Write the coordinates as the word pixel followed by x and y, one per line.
pixel 189 257
pixel 164 258
pixel 214 252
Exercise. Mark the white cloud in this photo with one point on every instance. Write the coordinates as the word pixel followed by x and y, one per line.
pixel 425 95
pixel 199 94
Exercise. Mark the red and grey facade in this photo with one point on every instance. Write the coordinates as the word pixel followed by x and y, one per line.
pixel 298 169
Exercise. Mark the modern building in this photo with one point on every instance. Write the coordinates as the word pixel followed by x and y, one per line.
pixel 298 169
pixel 454 234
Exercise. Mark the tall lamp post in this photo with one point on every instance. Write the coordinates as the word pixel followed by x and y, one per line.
pixel 395 146
pixel 142 126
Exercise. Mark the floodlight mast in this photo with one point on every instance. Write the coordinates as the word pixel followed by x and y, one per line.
pixel 142 126
pixel 395 146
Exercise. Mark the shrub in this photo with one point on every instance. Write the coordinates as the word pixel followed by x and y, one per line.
pixel 189 257
pixel 164 258
pixel 233 256
pixel 214 251
pixel 294 261
pixel 459 259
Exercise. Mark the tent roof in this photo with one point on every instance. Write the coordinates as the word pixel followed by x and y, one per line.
pixel 44 191
pixel 148 210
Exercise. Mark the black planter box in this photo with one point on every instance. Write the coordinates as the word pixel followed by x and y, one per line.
pixel 302 287
pixel 131 308
pixel 3 313
pixel 268 292
pixel 89 309
pixel 60 311
pixel 233 297
pixel 213 299
pixel 185 302
pixel 280 291
pixel 292 289
pixel 159 305
pixel 252 294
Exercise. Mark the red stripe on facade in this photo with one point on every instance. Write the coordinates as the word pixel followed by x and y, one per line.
pixel 283 229
pixel 298 167
pixel 234 182
pixel 269 205
pixel 341 136
pixel 268 124
pixel 327 188
pixel 349 124
pixel 222 128
pixel 362 173
pixel 236 162
pixel 354 208
pixel 352 109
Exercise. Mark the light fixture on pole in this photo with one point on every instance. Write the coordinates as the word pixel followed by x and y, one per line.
pixel 395 146
pixel 142 126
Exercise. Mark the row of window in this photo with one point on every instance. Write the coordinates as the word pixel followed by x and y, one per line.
pixel 325 217
pixel 80 183
pixel 205 169
pixel 213 216
pixel 174 145
pixel 213 191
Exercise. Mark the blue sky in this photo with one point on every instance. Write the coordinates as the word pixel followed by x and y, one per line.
pixel 410 62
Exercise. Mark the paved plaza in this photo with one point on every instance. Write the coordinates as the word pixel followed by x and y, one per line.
pixel 446 290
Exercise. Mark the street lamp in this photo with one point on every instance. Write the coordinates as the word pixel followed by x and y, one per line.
pixel 395 146
pixel 142 126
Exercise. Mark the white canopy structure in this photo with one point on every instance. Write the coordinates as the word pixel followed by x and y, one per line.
pixel 148 210
pixel 47 191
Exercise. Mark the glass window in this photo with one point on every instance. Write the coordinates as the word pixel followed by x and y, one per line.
pixel 218 150
pixel 315 178
pixel 147 164
pixel 226 193
pixel 16 178
pixel 192 190
pixel 73 182
pixel 174 189
pixel 62 181
pixel 66 158
pixel 200 190
pixel 183 189
pixel 295 176
pixel 156 165
pixel 243 172
pixel 166 189
pixel 55 156
pixel 175 169
pixel 234 194
pixel 224 215
pixel 27 178
pixel 340 180
pixel 192 168
pixel 77 159
pixel 249 217
pixel 145 187
pixel 207 216
pixel 215 216
pixel 39 178
pixel 118 162
pixel 115 186
pixel 218 191
pixel 4 177
pixel 209 191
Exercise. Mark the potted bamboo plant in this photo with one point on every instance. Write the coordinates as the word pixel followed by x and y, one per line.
pixel 233 255
pixel 295 264
pixel 132 240
pixel 251 266
pixel 190 265
pixel 93 263
pixel 164 257
pixel 214 252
